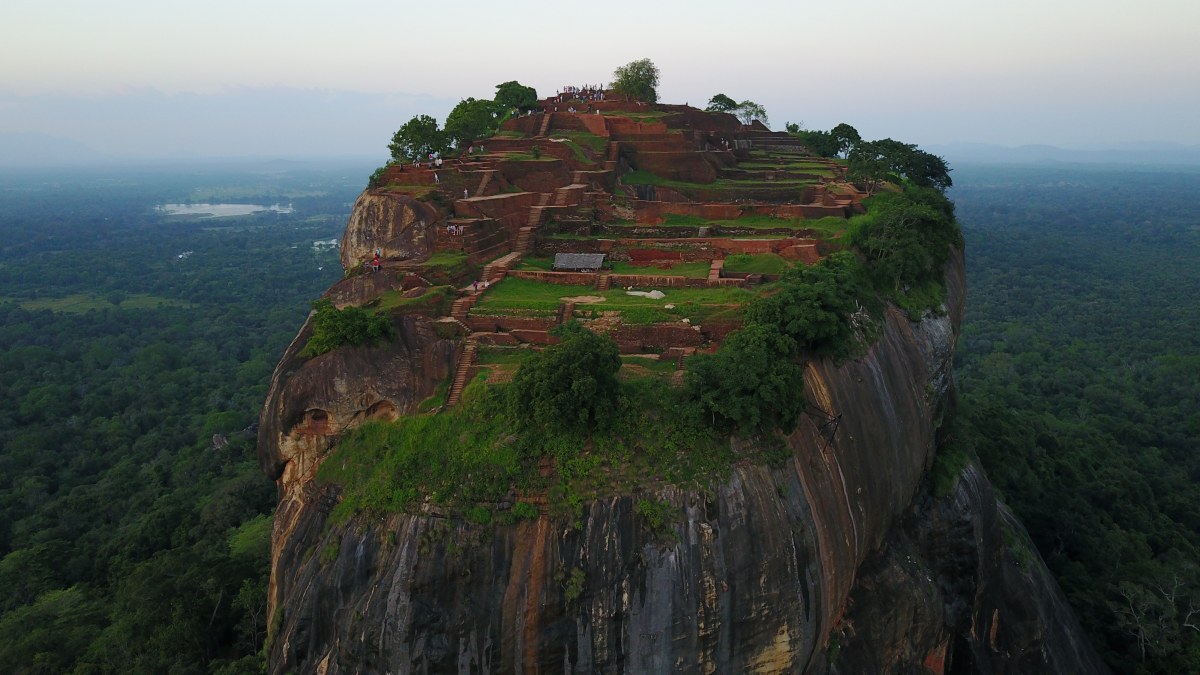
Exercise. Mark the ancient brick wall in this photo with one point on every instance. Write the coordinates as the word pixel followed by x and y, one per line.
pixel 564 278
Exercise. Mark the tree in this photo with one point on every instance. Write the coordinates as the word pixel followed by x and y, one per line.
pixel 928 170
pixel 721 103
pixel 417 138
pixel 471 119
pixel 748 111
pixel 637 80
pixel 867 165
pixel 571 385
pixel 846 137
pixel 820 143
pixel 816 306
pixel 907 236
pixel 513 94
pixel 751 383
pixel 333 328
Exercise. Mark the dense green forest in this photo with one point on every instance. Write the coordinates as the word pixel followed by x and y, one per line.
pixel 1079 370
pixel 136 350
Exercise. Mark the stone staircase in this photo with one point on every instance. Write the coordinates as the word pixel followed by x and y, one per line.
pixel 714 271
pixel 545 125
pixel 465 362
pixel 462 307
pixel 614 153
pixel 498 268
pixel 524 241
pixel 487 178
pixel 566 311
pixel 603 281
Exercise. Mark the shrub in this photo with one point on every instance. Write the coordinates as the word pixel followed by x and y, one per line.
pixel 568 386
pixel 751 383
pixel 333 328
pixel 816 304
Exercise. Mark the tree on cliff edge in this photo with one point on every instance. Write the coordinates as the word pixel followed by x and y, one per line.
pixel 638 80
pixel 417 138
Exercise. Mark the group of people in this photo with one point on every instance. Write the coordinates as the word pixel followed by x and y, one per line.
pixel 454 230
pixel 435 162
pixel 587 92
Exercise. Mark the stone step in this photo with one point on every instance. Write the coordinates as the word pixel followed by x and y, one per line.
pixel 465 361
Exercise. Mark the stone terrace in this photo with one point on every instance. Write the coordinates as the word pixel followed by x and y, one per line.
pixel 655 188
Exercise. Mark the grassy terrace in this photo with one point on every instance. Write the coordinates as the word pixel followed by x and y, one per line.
pixel 692 270
pixel 583 138
pixel 828 227
pixel 523 297
pixel 647 178
pixel 765 263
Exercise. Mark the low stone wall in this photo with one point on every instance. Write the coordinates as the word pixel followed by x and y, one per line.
pixel 683 165
pixel 563 278
pixel 656 281
pixel 507 324
pixel 655 337
pixel 539 176
pixel 623 127
pixel 511 210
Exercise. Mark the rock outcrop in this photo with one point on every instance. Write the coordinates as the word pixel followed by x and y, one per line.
pixel 837 561
pixel 398 227
pixel 837 558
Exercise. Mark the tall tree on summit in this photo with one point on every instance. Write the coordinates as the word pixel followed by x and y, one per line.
pixel 471 119
pixel 721 103
pixel 637 80
pixel 417 138
pixel 513 94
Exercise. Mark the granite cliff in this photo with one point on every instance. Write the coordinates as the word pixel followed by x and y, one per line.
pixel 840 557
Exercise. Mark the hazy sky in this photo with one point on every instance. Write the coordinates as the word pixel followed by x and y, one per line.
pixel 299 77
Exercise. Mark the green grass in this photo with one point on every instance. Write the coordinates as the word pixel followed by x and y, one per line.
pixel 527 157
pixel 639 366
pixel 435 300
pixel 468 456
pixel 578 152
pixel 417 191
pixel 524 297
pixel 828 227
pixel 585 138
pixel 437 399
pixel 78 303
pixel 502 355
pixel 692 270
pixel 529 295
pixel 765 263
pixel 446 259
pixel 539 264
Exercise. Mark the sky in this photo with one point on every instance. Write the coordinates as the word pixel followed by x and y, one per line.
pixel 228 78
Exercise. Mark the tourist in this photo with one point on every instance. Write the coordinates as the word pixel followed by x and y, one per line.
pixel 436 180
pixel 464 193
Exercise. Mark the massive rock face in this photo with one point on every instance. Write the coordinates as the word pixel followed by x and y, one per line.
pixel 837 561
pixel 399 228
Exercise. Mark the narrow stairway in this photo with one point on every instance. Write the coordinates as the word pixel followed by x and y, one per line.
pixel 465 362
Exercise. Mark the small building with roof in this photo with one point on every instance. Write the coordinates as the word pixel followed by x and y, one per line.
pixel 578 262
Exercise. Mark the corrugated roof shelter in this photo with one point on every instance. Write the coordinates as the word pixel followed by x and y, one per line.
pixel 578 262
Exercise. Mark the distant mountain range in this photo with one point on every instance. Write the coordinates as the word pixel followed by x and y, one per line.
pixel 1120 153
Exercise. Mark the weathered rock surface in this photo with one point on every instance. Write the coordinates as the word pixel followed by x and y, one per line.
pixel 837 561
pixel 396 224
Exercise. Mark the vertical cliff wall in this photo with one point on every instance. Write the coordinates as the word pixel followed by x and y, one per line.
pixel 839 560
